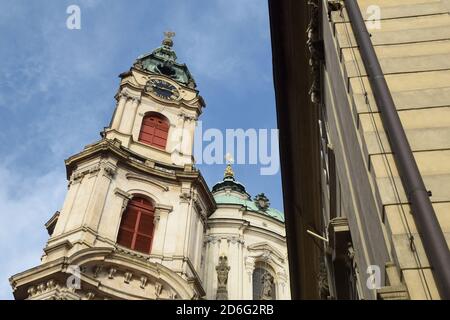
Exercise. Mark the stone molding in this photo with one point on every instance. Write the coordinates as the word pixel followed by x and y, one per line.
pixel 133 176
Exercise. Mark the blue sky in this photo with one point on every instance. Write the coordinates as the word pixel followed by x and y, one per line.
pixel 57 87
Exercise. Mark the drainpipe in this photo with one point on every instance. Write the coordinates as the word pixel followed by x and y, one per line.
pixel 424 216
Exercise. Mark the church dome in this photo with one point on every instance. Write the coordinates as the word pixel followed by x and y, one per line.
pixel 230 191
pixel 229 183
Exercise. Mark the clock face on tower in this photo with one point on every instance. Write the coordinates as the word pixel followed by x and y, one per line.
pixel 162 89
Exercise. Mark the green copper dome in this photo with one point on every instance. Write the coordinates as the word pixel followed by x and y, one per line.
pixel 162 61
pixel 229 183
pixel 239 196
pixel 249 205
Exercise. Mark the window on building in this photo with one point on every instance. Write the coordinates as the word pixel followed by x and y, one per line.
pixel 136 227
pixel 154 130
pixel 263 284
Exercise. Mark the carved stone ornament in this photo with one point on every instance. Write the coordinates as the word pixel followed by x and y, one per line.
pixel 262 202
pixel 109 171
pixel 138 65
pixel 90 295
pixel 324 289
pixel 222 270
pixel 41 288
pixel 267 285
pixel 185 196
pixel 144 280
pixel 127 277
pixel 316 49
pixel 173 295
pixel 112 272
pixel 158 289
pixel 97 270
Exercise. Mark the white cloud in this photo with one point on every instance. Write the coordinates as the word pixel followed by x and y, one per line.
pixel 44 78
pixel 26 203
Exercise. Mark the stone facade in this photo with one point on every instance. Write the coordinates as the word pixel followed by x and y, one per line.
pixel 360 181
pixel 249 238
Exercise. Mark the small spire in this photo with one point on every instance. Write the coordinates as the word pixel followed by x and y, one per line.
pixel 228 172
pixel 168 35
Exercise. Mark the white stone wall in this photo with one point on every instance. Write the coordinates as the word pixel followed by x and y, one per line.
pixel 96 200
pixel 246 238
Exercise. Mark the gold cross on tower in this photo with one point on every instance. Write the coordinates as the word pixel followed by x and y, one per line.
pixel 168 38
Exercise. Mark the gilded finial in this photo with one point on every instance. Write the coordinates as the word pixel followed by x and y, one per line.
pixel 229 172
pixel 168 35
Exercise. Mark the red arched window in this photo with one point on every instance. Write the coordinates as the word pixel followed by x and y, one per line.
pixel 136 227
pixel 154 130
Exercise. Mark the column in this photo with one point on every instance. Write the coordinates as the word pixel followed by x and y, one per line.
pixel 119 111
pixel 188 136
pixel 126 125
pixel 248 278
pixel 98 197
pixel 233 261
pixel 240 268
pixel 206 266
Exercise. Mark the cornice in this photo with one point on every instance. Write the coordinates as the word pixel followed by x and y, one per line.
pixel 253 213
pixel 132 176
pixel 105 147
pixel 148 74
pixel 242 223
pixel 132 160
pixel 196 104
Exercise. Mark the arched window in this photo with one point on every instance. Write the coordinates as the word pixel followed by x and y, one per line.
pixel 136 227
pixel 263 284
pixel 154 130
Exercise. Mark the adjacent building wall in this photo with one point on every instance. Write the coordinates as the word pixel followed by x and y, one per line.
pixel 413 46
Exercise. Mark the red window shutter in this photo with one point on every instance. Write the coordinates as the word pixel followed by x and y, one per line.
pixel 136 227
pixel 143 244
pixel 154 131
pixel 125 238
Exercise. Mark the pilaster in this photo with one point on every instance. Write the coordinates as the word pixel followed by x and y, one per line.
pixel 123 97
pixel 160 225
pixel 127 122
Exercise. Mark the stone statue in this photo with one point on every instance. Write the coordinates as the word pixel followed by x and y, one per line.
pixel 267 284
pixel 222 270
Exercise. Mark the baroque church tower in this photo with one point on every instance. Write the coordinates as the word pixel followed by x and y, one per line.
pixel 138 220
pixel 134 216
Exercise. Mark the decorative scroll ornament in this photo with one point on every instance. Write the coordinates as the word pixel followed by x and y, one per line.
pixel 262 202
pixel 222 270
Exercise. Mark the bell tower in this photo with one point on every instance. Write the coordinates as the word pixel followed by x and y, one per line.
pixel 157 107
pixel 133 221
